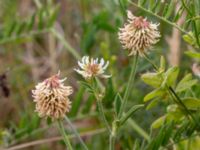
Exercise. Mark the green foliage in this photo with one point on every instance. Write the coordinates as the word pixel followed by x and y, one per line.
pixel 37 23
pixel 163 81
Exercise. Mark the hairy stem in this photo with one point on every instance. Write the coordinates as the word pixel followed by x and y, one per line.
pixel 76 133
pixel 112 143
pixel 65 137
pixel 181 103
pixel 101 111
pixel 112 135
pixel 129 85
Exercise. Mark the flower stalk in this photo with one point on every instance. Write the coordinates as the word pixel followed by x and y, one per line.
pixel 116 122
pixel 98 97
pixel 65 136
pixel 75 132
pixel 113 136
pixel 129 84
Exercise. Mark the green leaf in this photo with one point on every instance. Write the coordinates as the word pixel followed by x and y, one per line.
pixel 174 112
pixel 85 84
pixel 158 122
pixel 110 94
pixel 186 78
pixel 9 30
pixel 152 79
pixel 20 28
pixel 158 6
pixel 186 83
pixel 152 104
pixel 167 134
pixel 31 22
pixel 189 38
pixel 170 9
pixel 129 113
pixel 151 4
pixel 41 18
pixel 162 64
pixel 193 54
pixel 165 9
pixel 141 2
pixel 171 76
pixel 153 94
pixel 53 16
pixel 172 108
pixel 117 103
pixel 191 103
pixel 178 14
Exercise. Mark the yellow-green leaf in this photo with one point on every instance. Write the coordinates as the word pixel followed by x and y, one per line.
pixel 153 94
pixel 191 103
pixel 152 79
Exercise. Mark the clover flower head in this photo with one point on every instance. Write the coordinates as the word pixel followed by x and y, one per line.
pixel 90 67
pixel 138 35
pixel 51 97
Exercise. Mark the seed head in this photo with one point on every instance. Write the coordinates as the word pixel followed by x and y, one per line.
pixel 138 35
pixel 51 97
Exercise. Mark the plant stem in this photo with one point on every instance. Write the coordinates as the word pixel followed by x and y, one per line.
pixel 129 113
pixel 149 60
pixel 65 137
pixel 75 132
pixel 112 143
pixel 115 126
pixel 129 85
pixel 101 111
pixel 98 96
pixel 181 103
pixel 112 135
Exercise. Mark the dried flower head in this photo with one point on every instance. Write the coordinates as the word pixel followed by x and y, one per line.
pixel 138 35
pixel 51 97
pixel 90 67
pixel 196 69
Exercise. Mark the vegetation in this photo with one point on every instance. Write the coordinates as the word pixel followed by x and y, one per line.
pixel 148 100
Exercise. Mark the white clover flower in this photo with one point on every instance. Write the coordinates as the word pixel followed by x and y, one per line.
pixel 90 67
pixel 51 97
pixel 138 35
